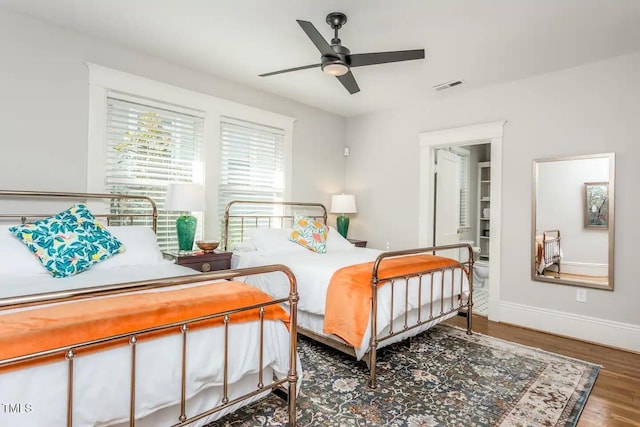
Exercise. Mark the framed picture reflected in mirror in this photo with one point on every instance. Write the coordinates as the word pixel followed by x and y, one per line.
pixel 596 209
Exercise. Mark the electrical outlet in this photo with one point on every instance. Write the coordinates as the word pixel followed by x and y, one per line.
pixel 581 295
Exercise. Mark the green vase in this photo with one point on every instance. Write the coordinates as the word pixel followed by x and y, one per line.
pixel 186 228
pixel 343 225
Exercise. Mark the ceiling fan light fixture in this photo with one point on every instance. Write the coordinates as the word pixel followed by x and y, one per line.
pixel 336 68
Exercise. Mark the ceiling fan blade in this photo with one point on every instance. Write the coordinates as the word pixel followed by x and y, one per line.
pixel 349 82
pixel 288 70
pixel 316 38
pixel 361 59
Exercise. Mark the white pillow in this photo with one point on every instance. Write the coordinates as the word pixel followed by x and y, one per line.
pixel 246 245
pixel 15 258
pixel 335 241
pixel 273 240
pixel 140 244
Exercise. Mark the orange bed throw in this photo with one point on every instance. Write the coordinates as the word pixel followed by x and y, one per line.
pixel 349 293
pixel 45 328
pixel 540 252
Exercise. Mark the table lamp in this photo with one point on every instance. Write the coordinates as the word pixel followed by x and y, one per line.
pixel 185 197
pixel 343 204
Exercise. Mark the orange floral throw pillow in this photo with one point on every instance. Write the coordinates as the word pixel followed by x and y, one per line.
pixel 309 233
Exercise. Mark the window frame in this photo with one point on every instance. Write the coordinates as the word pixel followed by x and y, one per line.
pixel 121 109
pixel 103 79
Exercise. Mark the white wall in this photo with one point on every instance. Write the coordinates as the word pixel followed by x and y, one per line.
pixel 589 109
pixel 44 99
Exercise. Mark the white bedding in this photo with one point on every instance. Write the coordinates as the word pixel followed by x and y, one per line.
pixel 313 273
pixel 102 395
pixel 15 285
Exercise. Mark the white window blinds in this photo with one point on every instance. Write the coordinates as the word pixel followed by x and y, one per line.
pixel 148 145
pixel 463 173
pixel 252 167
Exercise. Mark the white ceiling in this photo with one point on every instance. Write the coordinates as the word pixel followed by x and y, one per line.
pixel 482 42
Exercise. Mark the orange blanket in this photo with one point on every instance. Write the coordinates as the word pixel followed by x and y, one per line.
pixel 540 250
pixel 349 294
pixel 45 328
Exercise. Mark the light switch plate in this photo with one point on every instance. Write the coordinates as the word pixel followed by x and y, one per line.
pixel 581 295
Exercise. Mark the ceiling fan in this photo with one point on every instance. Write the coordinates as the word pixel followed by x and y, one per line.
pixel 337 60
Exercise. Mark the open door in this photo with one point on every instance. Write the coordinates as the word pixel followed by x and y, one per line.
pixel 447 201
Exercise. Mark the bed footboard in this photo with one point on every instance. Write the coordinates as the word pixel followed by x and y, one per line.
pixel 551 248
pixel 439 308
pixel 71 353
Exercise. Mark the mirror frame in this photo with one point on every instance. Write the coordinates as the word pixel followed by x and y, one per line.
pixel 611 200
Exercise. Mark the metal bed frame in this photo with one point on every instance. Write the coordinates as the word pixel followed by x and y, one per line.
pixel 425 278
pixel 551 247
pixel 287 385
pixel 132 217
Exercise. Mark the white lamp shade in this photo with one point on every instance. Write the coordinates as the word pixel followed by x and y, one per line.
pixel 185 197
pixel 343 204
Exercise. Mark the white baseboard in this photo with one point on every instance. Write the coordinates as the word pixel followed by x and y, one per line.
pixel 584 268
pixel 615 334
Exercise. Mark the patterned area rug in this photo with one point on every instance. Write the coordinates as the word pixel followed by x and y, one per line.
pixel 445 378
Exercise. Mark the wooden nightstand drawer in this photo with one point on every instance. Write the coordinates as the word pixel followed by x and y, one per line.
pixel 200 261
pixel 358 243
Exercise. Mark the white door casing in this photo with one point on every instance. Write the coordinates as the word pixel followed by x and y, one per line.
pixel 468 135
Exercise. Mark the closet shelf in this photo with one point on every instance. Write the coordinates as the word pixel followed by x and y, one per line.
pixel 484 209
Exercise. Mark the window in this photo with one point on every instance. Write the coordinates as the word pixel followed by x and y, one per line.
pixel 148 145
pixel 463 154
pixel 252 167
pixel 144 134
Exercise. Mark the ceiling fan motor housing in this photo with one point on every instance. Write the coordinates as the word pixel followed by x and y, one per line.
pixel 342 55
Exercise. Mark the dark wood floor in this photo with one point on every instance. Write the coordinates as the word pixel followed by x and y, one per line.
pixel 615 398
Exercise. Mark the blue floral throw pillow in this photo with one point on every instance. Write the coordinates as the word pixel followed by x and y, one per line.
pixel 69 242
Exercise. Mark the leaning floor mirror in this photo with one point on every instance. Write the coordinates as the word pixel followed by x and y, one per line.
pixel 573 220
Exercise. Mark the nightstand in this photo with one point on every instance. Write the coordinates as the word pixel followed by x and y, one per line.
pixel 358 243
pixel 201 261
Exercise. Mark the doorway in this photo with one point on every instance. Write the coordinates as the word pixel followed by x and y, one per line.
pixel 469 136
pixel 462 208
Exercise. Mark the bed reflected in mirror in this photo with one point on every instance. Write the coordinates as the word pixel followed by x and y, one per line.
pixel 572 220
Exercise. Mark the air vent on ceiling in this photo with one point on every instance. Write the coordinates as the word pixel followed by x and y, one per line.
pixel 447 85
